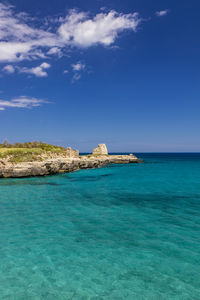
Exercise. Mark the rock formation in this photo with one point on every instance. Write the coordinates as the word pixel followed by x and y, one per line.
pixel 49 164
pixel 61 165
pixel 72 153
pixel 100 150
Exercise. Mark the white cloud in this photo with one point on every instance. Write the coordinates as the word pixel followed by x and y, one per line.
pixel 162 13
pixel 13 51
pixel 21 39
pixel 9 69
pixel 38 71
pixel 21 102
pixel 78 66
pixel 65 71
pixel 80 30
pixel 18 40
pixel 55 51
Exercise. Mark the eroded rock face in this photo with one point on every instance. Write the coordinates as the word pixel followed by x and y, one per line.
pixel 100 150
pixel 68 161
pixel 72 153
pixel 62 165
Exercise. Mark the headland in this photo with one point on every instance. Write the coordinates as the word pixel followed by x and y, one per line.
pixel 40 159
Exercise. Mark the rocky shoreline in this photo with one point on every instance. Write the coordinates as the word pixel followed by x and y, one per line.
pixel 69 161
pixel 61 165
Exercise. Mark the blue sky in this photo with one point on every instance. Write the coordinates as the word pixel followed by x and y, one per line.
pixel 78 73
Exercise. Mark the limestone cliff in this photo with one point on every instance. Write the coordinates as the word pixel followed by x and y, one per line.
pixel 100 150
pixel 72 153
pixel 67 162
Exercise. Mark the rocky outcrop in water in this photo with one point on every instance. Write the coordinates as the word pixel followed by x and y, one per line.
pixel 62 164
pixel 56 166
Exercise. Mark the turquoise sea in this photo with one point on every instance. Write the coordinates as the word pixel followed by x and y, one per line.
pixel 119 232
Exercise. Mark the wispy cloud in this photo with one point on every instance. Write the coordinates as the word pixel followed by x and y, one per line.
pixel 161 13
pixel 55 51
pixel 38 71
pixel 21 102
pixel 21 38
pixel 79 66
pixel 18 40
pixel 9 69
pixel 76 77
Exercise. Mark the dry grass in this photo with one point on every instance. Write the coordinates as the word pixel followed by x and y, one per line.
pixel 18 154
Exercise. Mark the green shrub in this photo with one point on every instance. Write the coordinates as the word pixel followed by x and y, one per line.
pixel 30 151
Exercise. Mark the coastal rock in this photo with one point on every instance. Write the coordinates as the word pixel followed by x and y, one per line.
pixel 68 161
pixel 62 165
pixel 131 154
pixel 72 153
pixel 100 150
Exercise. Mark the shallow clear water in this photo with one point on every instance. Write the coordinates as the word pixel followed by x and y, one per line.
pixel 119 232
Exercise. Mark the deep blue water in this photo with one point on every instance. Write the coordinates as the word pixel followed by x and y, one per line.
pixel 119 232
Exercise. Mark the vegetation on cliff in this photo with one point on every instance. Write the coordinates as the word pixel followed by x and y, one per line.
pixel 30 151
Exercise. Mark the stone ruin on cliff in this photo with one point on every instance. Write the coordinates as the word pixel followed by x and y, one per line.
pixel 100 150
